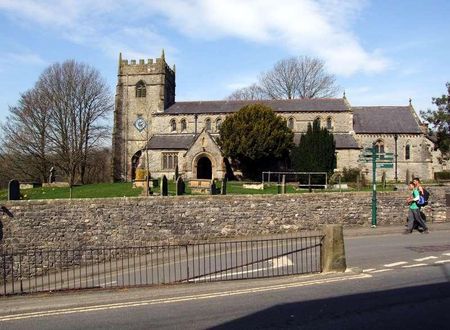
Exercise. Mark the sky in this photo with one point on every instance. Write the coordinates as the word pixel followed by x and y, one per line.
pixel 382 52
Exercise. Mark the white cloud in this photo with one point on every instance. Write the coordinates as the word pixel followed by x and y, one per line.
pixel 22 58
pixel 303 26
pixel 319 28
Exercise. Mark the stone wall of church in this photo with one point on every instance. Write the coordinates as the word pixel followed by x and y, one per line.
pixel 421 159
pixel 136 221
pixel 341 121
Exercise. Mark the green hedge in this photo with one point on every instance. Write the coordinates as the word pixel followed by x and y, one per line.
pixel 442 175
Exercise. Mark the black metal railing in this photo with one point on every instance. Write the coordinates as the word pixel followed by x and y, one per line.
pixel 52 270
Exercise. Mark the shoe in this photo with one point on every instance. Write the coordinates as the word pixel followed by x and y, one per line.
pixel 407 231
pixel 426 231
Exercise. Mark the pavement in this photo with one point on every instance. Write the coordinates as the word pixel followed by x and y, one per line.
pixel 390 229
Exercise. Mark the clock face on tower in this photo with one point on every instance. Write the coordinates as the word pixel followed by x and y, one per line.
pixel 140 124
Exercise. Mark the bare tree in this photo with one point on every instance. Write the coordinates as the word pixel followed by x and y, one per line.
pixel 60 122
pixel 296 77
pixel 79 100
pixel 252 92
pixel 25 137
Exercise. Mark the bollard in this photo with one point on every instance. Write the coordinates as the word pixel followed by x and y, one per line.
pixel 333 249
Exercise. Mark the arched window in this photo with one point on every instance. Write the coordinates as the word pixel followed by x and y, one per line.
pixel 218 124
pixel 379 148
pixel 183 125
pixel 407 152
pixel 329 124
pixel 173 125
pixel 141 89
pixel 318 121
pixel 208 124
pixel 290 123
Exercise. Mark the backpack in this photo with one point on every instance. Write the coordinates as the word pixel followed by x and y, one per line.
pixel 423 198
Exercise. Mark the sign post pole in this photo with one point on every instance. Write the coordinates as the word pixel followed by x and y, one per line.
pixel 374 188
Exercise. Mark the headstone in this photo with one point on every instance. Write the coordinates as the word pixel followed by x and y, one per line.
pixel 407 177
pixel 213 188
pixel 164 186
pixel 13 190
pixel 223 189
pixel 180 186
pixel 383 180
pixel 283 184
pixel 51 177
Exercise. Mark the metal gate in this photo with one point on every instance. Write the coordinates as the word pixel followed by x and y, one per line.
pixel 52 270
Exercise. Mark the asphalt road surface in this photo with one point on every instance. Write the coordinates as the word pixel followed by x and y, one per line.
pixel 405 283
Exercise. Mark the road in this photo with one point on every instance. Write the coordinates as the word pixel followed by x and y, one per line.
pixel 405 283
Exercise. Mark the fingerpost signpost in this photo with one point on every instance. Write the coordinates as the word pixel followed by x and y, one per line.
pixel 380 160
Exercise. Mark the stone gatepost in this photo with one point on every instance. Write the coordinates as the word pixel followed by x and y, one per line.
pixel 223 188
pixel 333 249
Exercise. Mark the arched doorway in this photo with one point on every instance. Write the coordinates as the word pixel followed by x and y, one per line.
pixel 204 168
pixel 135 160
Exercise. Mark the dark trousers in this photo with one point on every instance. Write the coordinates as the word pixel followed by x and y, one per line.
pixel 414 216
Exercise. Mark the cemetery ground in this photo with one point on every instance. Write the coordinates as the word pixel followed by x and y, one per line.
pixel 107 190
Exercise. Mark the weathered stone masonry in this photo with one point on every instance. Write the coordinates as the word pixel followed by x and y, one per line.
pixel 138 221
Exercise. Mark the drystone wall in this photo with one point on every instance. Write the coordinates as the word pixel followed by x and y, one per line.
pixel 61 224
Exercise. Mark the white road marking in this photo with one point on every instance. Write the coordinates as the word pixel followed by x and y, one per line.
pixel 382 270
pixel 368 270
pixel 396 264
pixel 446 254
pixel 86 309
pixel 442 261
pixel 415 265
pixel 426 258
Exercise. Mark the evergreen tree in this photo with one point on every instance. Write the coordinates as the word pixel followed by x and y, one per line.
pixel 256 138
pixel 316 151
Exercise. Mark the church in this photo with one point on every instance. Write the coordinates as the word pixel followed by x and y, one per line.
pixel 152 130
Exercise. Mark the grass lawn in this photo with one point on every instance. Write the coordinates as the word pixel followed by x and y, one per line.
pixel 105 190
pixel 101 190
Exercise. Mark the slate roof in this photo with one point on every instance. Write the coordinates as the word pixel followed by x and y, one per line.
pixel 385 119
pixel 169 141
pixel 297 105
pixel 343 141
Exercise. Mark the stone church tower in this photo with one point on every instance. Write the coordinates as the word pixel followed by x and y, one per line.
pixel 143 88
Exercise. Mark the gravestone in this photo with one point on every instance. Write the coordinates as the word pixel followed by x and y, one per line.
pixel 180 186
pixel 164 186
pixel 407 177
pixel 13 190
pixel 213 188
pixel 223 189
pixel 283 184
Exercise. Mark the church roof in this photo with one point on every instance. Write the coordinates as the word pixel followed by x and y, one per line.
pixel 343 141
pixel 385 119
pixel 172 142
pixel 297 105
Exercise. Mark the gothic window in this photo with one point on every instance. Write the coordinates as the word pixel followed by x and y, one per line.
pixel 141 89
pixel 318 120
pixel 208 124
pixel 290 123
pixel 169 161
pixel 183 125
pixel 173 125
pixel 407 152
pixel 329 124
pixel 379 148
pixel 218 124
